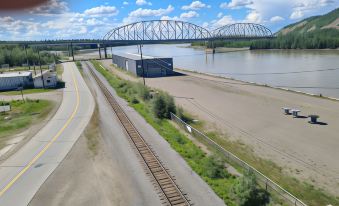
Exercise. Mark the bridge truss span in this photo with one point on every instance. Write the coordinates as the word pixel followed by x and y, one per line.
pixel 242 31
pixel 158 30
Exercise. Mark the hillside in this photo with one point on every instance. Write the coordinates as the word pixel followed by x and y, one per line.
pixel 317 32
pixel 315 24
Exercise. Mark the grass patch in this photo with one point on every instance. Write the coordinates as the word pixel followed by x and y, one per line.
pixel 22 115
pixel 92 133
pixel 26 91
pixel 19 69
pixel 211 168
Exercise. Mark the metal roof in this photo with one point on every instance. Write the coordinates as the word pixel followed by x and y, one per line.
pixel 15 74
pixel 135 56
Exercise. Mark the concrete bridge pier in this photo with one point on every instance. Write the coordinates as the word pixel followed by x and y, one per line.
pixel 99 49
pixel 105 51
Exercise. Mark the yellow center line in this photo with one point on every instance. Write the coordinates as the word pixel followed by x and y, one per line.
pixel 29 165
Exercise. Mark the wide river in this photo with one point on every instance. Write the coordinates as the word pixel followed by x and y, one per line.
pixel 315 72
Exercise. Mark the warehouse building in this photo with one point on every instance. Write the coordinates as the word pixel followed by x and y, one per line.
pixel 13 81
pixel 153 66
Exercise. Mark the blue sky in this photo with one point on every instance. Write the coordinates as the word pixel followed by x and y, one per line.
pixel 74 19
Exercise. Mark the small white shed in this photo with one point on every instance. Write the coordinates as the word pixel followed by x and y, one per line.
pixel 48 79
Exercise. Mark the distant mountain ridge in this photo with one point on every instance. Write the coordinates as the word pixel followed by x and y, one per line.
pixel 325 22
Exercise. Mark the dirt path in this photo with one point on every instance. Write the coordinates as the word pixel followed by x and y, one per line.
pixel 86 177
pixel 253 115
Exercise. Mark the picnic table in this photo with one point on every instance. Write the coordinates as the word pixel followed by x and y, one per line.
pixel 314 118
pixel 286 110
pixel 295 113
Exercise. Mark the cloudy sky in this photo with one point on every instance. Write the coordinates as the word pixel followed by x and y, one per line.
pixel 67 19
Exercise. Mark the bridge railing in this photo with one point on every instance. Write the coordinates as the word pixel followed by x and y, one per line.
pixel 267 183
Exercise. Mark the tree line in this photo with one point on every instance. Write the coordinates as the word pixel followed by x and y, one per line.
pixel 16 56
pixel 319 39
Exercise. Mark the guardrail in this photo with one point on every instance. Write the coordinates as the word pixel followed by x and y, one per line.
pixel 269 185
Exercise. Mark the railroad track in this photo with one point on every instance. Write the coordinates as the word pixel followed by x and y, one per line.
pixel 170 193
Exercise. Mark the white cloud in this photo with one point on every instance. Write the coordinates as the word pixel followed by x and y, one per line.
pixel 295 9
pixel 93 22
pixel 51 7
pixel 125 3
pixel 142 2
pixel 228 19
pixel 102 11
pixel 175 18
pixel 236 4
pixel 220 14
pixel 189 15
pixel 276 19
pixel 297 14
pixel 195 5
pixel 205 24
pixel 151 12
pixel 254 17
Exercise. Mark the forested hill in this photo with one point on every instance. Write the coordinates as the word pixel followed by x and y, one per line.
pixel 315 24
pixel 317 32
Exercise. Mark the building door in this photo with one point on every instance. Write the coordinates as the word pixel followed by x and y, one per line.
pixel 153 71
pixel 126 65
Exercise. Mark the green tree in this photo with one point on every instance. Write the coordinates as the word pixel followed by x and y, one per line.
pixel 248 192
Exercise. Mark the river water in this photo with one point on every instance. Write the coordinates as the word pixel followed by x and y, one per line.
pixel 311 71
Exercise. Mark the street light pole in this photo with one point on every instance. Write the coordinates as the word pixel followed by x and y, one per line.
pixel 142 65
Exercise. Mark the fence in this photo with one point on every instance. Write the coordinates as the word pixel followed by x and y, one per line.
pixel 269 185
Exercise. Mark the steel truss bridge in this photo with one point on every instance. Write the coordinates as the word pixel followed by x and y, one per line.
pixel 159 31
pixel 169 30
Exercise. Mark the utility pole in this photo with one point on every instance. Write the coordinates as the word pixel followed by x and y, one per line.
pixel 72 51
pixel 69 53
pixel 142 65
pixel 42 76
pixel 22 94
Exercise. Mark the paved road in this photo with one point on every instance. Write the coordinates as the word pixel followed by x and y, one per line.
pixel 23 173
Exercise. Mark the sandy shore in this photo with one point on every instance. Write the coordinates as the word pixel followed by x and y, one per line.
pixel 253 115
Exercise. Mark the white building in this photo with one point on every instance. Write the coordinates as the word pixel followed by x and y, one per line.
pixel 15 80
pixel 50 80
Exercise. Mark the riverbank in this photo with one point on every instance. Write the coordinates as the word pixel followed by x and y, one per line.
pixel 252 116
pixel 258 84
pixel 218 49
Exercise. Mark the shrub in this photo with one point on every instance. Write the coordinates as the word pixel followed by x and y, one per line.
pixel 214 167
pixel 143 92
pixel 248 192
pixel 135 100
pixel 163 105
pixel 78 64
